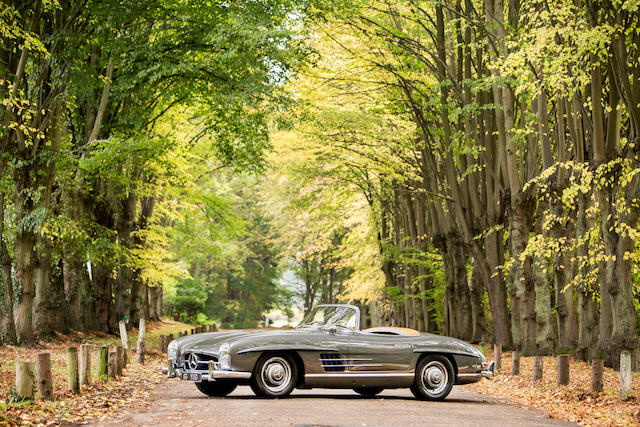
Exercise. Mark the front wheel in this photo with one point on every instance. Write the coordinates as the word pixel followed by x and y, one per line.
pixel 368 391
pixel 434 378
pixel 216 388
pixel 275 375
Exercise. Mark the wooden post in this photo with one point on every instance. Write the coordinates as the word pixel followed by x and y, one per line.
pixel 140 345
pixel 72 369
pixel 126 355
pixel 24 381
pixel 140 352
pixel 43 376
pixel 123 333
pixel 214 327
pixel 625 374
pixel 112 368
pixel 141 329
pixel 497 356
pixel 538 364
pixel 169 368
pixel 102 363
pixel 119 360
pixel 166 344
pixel 597 368
pixel 84 363
pixel 193 331
pixel 563 369
pixel 515 363
pixel 161 343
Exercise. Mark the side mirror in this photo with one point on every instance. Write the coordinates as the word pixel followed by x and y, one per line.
pixel 332 329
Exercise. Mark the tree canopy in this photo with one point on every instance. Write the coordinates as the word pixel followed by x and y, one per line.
pixel 467 168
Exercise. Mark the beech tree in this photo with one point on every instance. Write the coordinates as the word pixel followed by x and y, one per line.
pixel 85 88
pixel 519 169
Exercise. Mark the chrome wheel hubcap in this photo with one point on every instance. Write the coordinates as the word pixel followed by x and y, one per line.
pixel 434 378
pixel 276 374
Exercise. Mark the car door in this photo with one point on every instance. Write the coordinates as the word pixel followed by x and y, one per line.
pixel 338 340
pixel 380 353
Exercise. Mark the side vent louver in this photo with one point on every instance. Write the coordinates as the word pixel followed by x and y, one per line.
pixel 332 362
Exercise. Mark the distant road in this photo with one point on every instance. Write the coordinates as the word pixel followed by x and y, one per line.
pixel 180 403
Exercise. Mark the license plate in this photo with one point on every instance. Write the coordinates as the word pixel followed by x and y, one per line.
pixel 191 377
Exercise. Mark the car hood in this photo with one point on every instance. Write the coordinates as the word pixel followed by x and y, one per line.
pixel 208 343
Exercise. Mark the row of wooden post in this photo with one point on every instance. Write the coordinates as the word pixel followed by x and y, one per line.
pixel 563 362
pixel 164 340
pixel 110 363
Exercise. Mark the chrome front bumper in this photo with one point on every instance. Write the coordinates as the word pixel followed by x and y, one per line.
pixel 213 373
pixel 476 376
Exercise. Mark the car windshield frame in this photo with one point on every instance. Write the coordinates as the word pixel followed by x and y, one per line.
pixel 336 313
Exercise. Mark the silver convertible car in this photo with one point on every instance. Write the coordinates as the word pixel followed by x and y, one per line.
pixel 326 350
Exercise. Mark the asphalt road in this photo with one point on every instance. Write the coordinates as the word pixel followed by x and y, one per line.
pixel 180 403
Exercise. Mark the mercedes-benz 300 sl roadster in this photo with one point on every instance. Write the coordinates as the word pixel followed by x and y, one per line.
pixel 327 350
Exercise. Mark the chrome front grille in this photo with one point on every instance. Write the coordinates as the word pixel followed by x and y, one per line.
pixel 194 361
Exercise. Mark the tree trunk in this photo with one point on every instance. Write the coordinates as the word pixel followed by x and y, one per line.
pixel 544 325
pixel 42 307
pixel 463 311
pixel 588 310
pixel 103 296
pixel 25 264
pixel 523 273
pixel 479 333
pixel 7 325
pixel 79 290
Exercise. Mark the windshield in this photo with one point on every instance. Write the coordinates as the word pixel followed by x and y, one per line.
pixel 340 316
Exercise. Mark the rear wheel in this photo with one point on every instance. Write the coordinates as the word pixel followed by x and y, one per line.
pixel 368 391
pixel 216 388
pixel 275 375
pixel 434 378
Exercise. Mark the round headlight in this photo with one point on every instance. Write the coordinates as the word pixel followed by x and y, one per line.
pixel 224 358
pixel 172 350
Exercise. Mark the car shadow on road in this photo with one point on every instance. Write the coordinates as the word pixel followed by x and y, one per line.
pixel 342 397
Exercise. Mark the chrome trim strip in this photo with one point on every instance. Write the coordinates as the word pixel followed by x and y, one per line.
pixel 343 360
pixel 362 375
pixel 355 365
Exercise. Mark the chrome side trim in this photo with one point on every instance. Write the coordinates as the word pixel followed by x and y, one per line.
pixel 355 365
pixel 362 375
pixel 343 360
